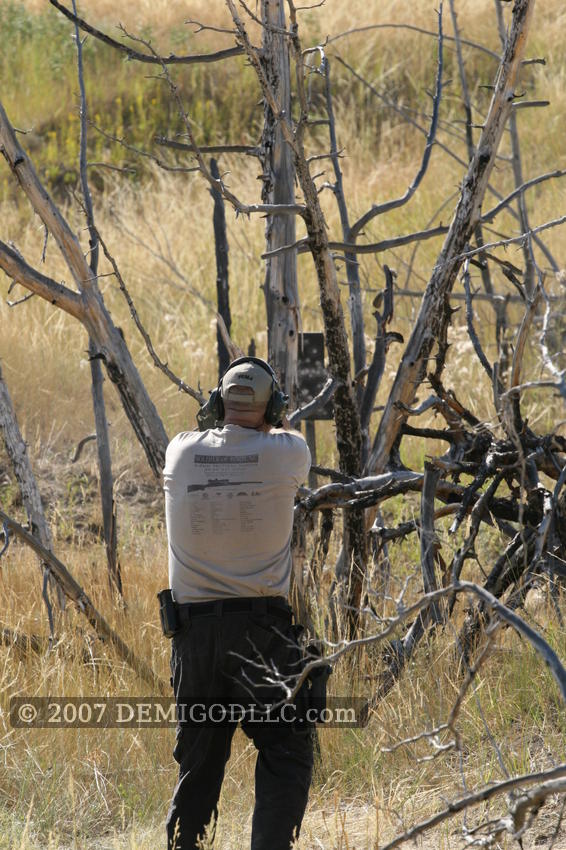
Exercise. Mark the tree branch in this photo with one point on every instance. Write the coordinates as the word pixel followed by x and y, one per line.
pixel 218 185
pixel 251 150
pixel 320 400
pixel 380 209
pixel 154 59
pixel 482 796
pixel 481 47
pixel 145 336
pixel 470 323
pixel 434 314
pixel 303 245
pixel 494 211
pixel 56 293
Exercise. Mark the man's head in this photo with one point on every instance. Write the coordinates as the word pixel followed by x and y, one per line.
pixel 246 390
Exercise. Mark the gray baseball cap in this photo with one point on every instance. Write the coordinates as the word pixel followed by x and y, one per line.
pixel 243 377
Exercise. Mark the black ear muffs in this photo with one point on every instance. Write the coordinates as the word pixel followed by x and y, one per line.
pixel 213 411
pixel 276 407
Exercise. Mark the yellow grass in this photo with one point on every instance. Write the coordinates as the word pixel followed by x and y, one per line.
pixel 110 788
pixel 92 788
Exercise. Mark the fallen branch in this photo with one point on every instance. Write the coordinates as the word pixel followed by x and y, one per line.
pixel 539 644
pixel 25 644
pixel 75 592
pixel 483 796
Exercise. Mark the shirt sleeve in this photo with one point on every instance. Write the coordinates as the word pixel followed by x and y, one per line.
pixel 174 453
pixel 297 457
pixel 305 461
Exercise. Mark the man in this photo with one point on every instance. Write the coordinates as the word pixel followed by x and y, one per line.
pixel 229 494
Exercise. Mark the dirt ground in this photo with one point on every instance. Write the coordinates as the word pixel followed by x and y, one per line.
pixel 352 827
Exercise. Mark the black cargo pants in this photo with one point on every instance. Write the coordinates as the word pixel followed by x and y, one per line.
pixel 216 661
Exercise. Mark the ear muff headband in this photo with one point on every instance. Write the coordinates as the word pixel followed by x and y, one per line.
pixel 249 359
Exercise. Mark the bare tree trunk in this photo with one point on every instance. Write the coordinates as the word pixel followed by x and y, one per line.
pixel 101 422
pixel 347 418
pixel 31 498
pixel 222 286
pixel 87 304
pixel 517 166
pixel 109 520
pixel 352 267
pixel 280 285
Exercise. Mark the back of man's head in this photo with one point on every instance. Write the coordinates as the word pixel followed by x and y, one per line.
pixel 246 391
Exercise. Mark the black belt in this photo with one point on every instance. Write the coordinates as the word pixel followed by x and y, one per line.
pixel 240 605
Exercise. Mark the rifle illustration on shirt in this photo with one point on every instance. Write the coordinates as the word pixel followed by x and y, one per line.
pixel 218 482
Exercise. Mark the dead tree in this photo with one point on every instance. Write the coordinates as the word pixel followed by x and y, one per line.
pixel 434 314
pixel 109 519
pixel 31 498
pixel 278 187
pixel 491 473
pixel 288 128
pixel 84 303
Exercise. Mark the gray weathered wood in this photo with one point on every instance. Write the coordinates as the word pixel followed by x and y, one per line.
pixel 109 520
pixel 377 365
pixel 348 430
pixel 517 166
pixel 222 285
pixel 110 343
pixel 428 537
pixel 434 313
pixel 280 284
pixel 17 452
pixel 352 268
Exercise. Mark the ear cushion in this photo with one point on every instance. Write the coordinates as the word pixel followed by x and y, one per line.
pixel 216 400
pixel 277 407
pixel 211 412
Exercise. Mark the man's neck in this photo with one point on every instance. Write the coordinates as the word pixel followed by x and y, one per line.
pixel 246 419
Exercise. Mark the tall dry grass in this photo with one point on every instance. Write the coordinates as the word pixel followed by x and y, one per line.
pixel 110 788
pixel 91 788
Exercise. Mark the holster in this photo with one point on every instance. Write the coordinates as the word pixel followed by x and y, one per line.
pixel 168 613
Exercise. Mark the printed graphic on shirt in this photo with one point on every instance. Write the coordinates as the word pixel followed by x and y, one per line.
pixel 230 460
pixel 218 482
pixel 232 505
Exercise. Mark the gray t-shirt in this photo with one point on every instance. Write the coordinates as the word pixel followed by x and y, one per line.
pixel 229 496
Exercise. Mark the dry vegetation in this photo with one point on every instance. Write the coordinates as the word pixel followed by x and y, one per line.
pixel 96 788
